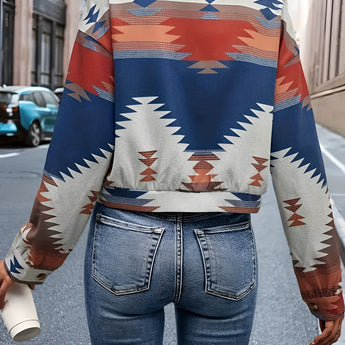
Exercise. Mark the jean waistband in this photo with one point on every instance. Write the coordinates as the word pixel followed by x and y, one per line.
pixel 184 216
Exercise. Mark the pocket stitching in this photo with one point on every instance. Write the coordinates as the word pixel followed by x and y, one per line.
pixel 201 237
pixel 157 236
pixel 226 228
pixel 103 219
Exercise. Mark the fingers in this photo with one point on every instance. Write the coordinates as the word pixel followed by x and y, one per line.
pixel 5 283
pixel 325 336
pixel 331 331
pixel 338 331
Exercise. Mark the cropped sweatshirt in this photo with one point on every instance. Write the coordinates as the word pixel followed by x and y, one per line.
pixel 185 106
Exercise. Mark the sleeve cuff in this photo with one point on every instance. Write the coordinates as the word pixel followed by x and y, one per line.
pixel 327 308
pixel 21 272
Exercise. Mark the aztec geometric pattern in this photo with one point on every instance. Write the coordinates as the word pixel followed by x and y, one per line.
pixel 185 106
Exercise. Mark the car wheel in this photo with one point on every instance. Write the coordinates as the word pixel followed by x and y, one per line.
pixel 33 137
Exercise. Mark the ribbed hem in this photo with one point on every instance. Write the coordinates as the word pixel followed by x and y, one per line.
pixel 179 201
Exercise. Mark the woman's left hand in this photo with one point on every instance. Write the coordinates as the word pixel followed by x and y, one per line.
pixel 5 283
pixel 331 331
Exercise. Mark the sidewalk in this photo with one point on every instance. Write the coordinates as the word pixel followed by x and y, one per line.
pixel 333 150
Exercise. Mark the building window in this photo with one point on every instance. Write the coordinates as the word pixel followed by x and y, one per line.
pixel 46 58
pixel 6 47
pixel 59 55
pixel 34 79
pixel 328 53
pixel 48 43
pixel 47 53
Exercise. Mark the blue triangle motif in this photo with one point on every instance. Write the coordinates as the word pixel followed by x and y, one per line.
pixel 97 26
pixel 268 13
pixel 92 15
pixel 144 3
pixel 14 265
pixel 209 8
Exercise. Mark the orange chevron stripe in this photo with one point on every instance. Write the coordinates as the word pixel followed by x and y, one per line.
pixel 147 45
pixel 282 87
pixel 206 40
pixel 261 41
pixel 286 95
pixel 257 52
pixel 137 33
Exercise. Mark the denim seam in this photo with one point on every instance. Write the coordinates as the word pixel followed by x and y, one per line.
pixel 186 217
pixel 160 235
pixel 202 216
pixel 212 259
pixel 179 257
pixel 124 225
pixel 122 292
pixel 201 241
pixel 226 228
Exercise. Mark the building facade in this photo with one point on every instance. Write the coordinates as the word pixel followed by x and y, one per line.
pixel 324 62
pixel 7 8
pixel 37 38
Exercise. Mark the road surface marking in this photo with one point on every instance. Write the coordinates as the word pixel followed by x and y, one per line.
pixel 7 155
pixel 336 161
pixel 42 146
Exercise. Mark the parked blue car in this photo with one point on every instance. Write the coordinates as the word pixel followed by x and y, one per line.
pixel 28 112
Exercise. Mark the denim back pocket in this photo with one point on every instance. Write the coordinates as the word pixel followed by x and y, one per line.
pixel 229 258
pixel 124 254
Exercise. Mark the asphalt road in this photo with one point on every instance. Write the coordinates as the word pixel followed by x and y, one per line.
pixel 281 316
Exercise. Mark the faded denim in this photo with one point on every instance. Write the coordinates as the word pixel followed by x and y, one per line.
pixel 138 262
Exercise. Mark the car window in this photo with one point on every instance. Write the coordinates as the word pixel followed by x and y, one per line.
pixel 27 97
pixel 50 98
pixel 8 97
pixel 38 99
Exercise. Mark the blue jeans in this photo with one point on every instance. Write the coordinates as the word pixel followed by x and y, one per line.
pixel 137 263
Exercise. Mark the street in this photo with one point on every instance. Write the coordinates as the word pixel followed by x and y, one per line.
pixel 281 318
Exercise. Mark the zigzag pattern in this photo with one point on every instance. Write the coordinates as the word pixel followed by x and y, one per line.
pixel 286 164
pixel 259 166
pixel 202 182
pixel 78 93
pixel 270 6
pixel 184 91
pixel 167 33
pixel 149 160
pixel 98 27
pixel 92 15
pixel 87 209
pixel 15 266
pixel 293 207
pixel 60 213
